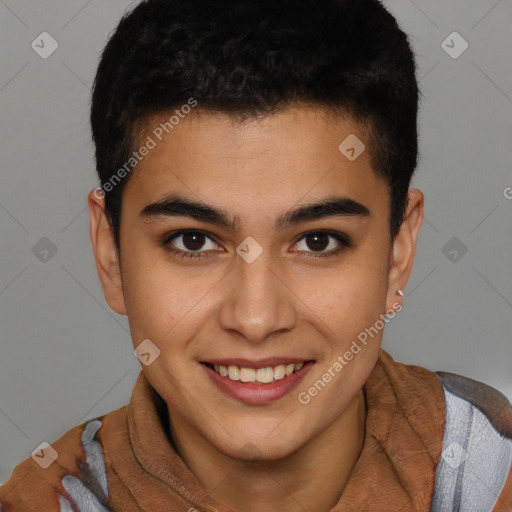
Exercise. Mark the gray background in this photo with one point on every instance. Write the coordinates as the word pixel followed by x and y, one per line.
pixel 65 357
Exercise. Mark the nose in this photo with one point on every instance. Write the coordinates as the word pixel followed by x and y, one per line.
pixel 258 303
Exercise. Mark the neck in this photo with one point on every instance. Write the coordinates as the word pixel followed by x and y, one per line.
pixel 311 478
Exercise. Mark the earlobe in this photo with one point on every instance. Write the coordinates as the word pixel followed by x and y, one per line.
pixel 403 249
pixel 105 253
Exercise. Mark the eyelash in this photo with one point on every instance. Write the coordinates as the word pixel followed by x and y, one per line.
pixel 343 239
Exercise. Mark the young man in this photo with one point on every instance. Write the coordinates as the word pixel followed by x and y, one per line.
pixel 255 223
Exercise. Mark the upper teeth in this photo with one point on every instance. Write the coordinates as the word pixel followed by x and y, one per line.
pixel 263 375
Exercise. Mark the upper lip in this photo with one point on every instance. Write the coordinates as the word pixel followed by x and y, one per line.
pixel 256 363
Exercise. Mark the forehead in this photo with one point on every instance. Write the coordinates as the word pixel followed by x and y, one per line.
pixel 259 164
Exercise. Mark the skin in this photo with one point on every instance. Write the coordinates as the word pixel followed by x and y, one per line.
pixel 281 455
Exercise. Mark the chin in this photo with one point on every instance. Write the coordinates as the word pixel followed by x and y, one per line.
pixel 254 447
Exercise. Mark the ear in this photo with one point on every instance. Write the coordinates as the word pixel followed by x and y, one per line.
pixel 105 252
pixel 403 248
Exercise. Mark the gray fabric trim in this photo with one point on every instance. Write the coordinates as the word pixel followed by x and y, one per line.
pixel 457 498
pixel 94 454
pixel 475 460
pixel 65 506
pixel 83 497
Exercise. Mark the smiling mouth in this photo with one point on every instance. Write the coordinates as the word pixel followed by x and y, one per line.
pixel 265 375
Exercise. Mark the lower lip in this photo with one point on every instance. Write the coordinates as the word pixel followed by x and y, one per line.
pixel 251 393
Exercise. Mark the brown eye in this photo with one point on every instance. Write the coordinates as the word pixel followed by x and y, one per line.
pixel 193 241
pixel 315 243
pixel 189 244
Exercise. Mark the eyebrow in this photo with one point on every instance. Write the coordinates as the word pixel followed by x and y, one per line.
pixel 176 205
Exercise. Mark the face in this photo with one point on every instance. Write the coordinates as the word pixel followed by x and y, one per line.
pixel 228 267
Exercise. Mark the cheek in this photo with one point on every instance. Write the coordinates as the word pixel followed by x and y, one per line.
pixel 164 303
pixel 153 300
pixel 347 299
